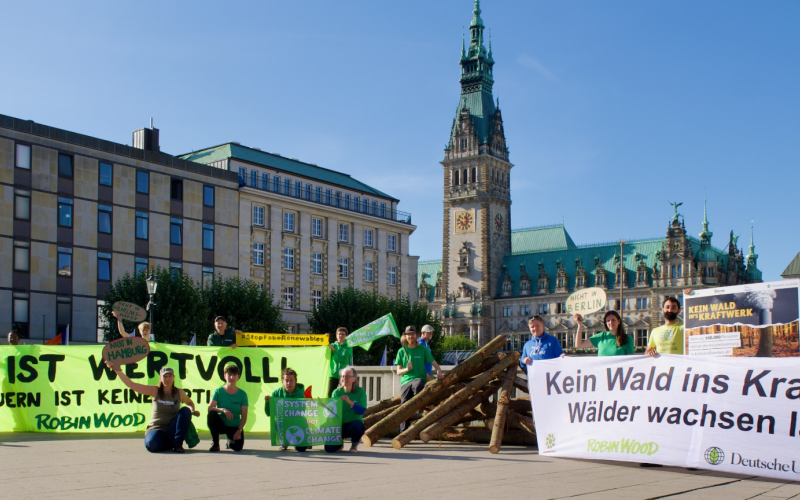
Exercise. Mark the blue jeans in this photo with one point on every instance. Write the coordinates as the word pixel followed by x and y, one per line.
pixel 353 430
pixel 156 440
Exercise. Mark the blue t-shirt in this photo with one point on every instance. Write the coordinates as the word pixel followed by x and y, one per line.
pixel 544 347
pixel 428 366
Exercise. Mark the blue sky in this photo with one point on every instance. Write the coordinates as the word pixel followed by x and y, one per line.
pixel 612 109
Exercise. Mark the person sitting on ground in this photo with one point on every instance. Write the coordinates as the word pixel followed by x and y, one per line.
pixel 143 330
pixel 291 390
pixel 169 423
pixel 613 342
pixel 426 334
pixel 222 336
pixel 410 363
pixel 342 356
pixel 354 404
pixel 227 411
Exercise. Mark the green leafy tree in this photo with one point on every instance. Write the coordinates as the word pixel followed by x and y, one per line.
pixel 245 305
pixel 353 309
pixel 458 343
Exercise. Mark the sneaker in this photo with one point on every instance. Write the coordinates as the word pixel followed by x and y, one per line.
pixel 354 448
pixel 284 448
pixel 214 447
pixel 179 449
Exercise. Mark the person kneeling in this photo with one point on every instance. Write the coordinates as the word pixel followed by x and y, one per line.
pixel 227 411
pixel 291 389
pixel 354 405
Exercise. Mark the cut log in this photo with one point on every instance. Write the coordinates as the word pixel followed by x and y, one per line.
pixel 382 405
pixel 446 407
pixel 481 435
pixel 502 409
pixel 521 384
pixel 463 371
pixel 520 422
pixel 454 417
pixel 469 417
pixel 376 417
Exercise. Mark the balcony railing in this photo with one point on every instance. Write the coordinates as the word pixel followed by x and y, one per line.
pixel 326 198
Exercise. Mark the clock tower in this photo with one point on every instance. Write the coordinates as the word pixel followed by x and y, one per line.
pixel 477 201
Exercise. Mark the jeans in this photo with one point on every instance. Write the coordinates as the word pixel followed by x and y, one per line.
pixel 408 391
pixel 353 430
pixel 156 440
pixel 216 426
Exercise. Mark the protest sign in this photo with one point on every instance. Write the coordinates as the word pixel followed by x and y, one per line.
pixel 126 350
pixel 758 319
pixel 724 414
pixel 69 388
pixel 305 422
pixel 586 301
pixel 275 339
pixel 367 334
pixel 129 311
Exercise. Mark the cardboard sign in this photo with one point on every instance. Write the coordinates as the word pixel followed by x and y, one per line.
pixel 586 301
pixel 129 311
pixel 305 422
pixel 261 339
pixel 126 350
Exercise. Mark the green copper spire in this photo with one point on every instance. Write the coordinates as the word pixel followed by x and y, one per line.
pixel 705 236
pixel 752 256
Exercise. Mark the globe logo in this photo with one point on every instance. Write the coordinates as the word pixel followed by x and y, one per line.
pixel 295 435
pixel 714 455
pixel 667 334
pixel 550 441
pixel 330 410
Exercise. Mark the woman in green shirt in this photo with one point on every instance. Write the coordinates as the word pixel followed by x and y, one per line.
pixel 292 390
pixel 354 404
pixel 227 411
pixel 613 342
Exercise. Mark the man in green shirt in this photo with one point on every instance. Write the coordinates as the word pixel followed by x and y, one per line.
pixel 410 363
pixel 667 338
pixel 290 389
pixel 342 356
pixel 222 337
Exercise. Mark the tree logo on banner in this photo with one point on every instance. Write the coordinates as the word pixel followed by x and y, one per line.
pixel 330 410
pixel 667 334
pixel 295 434
pixel 714 455
pixel 550 441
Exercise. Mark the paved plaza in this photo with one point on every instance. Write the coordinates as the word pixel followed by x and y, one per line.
pixel 118 467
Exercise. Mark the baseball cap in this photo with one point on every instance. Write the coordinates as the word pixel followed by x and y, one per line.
pixel 166 370
pixel 427 328
pixel 220 318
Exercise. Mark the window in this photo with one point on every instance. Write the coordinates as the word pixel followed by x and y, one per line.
pixel 507 311
pixel 455 178
pixel 343 230
pixel 318 194
pixel 674 271
pixel 258 215
pixel 327 196
pixel 104 219
pixel 640 276
pixel 337 199
pixel 65 166
pixel 64 212
pixel 296 189
pixel 106 174
pixel 208 277
pixel 579 281
pixel 344 271
pixel 316 227
pixel 524 285
pixel 374 207
pixel 391 242
pixel 21 315
pixel 287 186
pixel 22 256
pixel 288 259
pixel 506 286
pixel 288 222
pixel 140 265
pixel 641 338
pixel 258 254
pixel 474 175
pixel 383 209
pixel 316 298
pixel 175 268
pixel 22 204
pixel 347 202
pixel 560 282
pixel 316 263
pixel 64 262
pixel 368 270
pixel 103 266
pixel 265 181
pixel 680 270
pixel 601 279
pixel 641 303
pixel 276 184
pixel 308 192
pixel 23 159
pixel 392 273
pixel 524 310
pixel 368 237
pixel 142 224
pixel 102 322
pixel 355 203
pixel 542 308
pixel 364 205
pixel 208 237
pixel 143 182
pixel 175 230
pixel 176 189
pixel 288 297
pixel 242 175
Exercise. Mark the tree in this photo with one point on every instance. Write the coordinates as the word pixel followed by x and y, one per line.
pixel 245 305
pixel 458 343
pixel 353 309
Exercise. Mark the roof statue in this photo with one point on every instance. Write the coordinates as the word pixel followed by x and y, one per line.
pixel 675 206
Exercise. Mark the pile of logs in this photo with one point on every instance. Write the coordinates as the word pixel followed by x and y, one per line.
pixel 458 407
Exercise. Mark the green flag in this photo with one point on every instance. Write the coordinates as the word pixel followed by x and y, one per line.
pixel 367 334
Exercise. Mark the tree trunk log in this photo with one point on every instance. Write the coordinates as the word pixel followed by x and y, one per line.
pixel 502 409
pixel 464 370
pixel 466 419
pixel 520 422
pixel 521 384
pixel 443 409
pixel 453 418
pixel 479 435
pixel 377 417
pixel 382 405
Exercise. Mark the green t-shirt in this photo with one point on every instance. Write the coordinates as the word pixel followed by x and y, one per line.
pixel 419 356
pixel 218 340
pixel 668 339
pixel 606 344
pixel 358 397
pixel 340 358
pixel 231 402
pixel 280 392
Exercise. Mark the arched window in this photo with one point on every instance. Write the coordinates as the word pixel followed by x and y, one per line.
pixel 455 178
pixel 465 179
pixel 474 174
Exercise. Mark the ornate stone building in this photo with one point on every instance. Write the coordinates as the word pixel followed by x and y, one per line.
pixel 492 279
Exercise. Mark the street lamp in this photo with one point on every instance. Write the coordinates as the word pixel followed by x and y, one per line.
pixel 152 285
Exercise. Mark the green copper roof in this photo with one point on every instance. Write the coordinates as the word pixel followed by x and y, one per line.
pixel 536 239
pixel 232 150
pixel 427 272
pixel 793 269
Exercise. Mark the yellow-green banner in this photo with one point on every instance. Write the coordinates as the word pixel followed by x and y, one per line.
pixel 280 339
pixel 69 388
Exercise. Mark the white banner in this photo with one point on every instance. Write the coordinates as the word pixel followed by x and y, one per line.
pixel 737 415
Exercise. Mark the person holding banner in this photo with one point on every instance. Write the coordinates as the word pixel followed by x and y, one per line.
pixel 13 338
pixel 292 390
pixel 143 330
pixel 410 363
pixel 222 337
pixel 426 334
pixel 227 411
pixel 169 423
pixel 541 345
pixel 354 405
pixel 342 356
pixel 613 342
pixel 668 338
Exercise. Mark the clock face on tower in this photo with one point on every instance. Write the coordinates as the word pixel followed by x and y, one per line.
pixel 465 221
pixel 498 222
